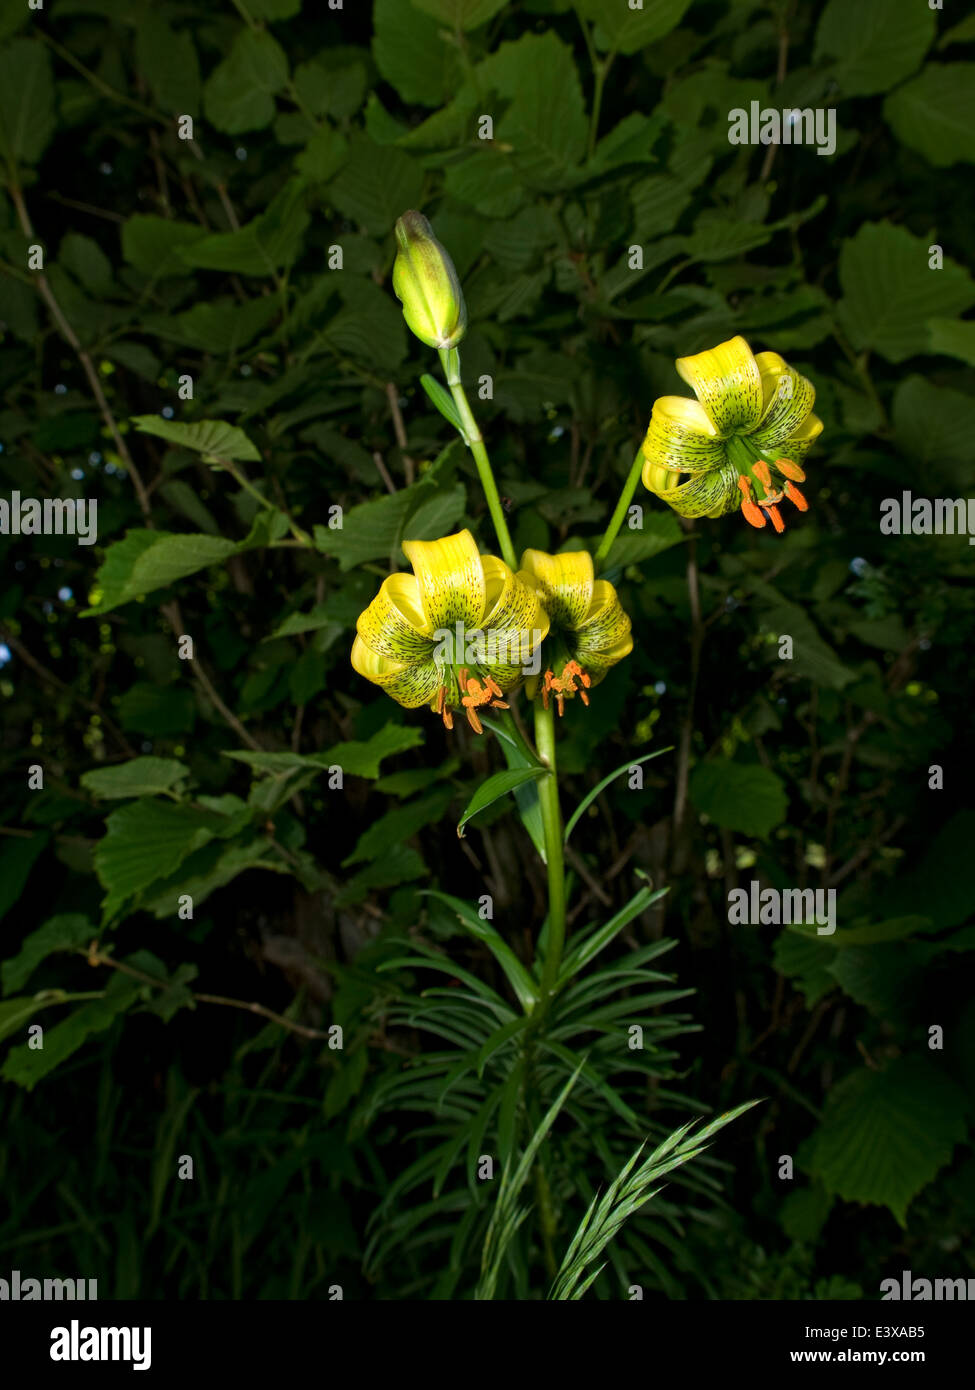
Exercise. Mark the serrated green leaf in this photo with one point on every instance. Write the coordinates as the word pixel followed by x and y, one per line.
pixel 138 777
pixel 890 291
pixel 168 62
pixel 411 54
pixel 378 184
pixel 355 759
pixel 239 93
pixel 874 45
pixel 934 113
pixel 460 14
pixel 268 243
pixel 885 1134
pixel 61 933
pixel 623 29
pixel 748 798
pixel 144 841
pixel 953 338
pixel 25 1066
pixel 211 437
pixel 27 114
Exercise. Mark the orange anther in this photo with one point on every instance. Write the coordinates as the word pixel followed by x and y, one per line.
pixel 776 516
pixel 760 469
pixel 448 719
pixel 473 720
pixel 493 686
pixel 788 469
pixel 745 486
pixel 752 514
pixel 794 495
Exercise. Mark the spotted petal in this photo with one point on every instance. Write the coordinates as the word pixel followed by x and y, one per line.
pixel 798 445
pixel 787 398
pixel 681 437
pixel 410 683
pixel 728 383
pixel 604 637
pixel 394 624
pixel 708 494
pixel 514 626
pixel 450 580
pixel 565 583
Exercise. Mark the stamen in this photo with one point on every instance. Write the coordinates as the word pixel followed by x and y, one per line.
pixel 448 719
pixel 473 720
pixel 788 469
pixel 760 469
pixel 776 516
pixel 794 495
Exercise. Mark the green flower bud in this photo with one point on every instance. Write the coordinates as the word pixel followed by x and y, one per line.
pixel 427 285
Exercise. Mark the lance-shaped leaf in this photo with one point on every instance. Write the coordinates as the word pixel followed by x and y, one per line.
pixel 494 788
pixel 517 976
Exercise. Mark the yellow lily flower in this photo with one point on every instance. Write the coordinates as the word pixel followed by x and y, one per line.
pixel 752 417
pixel 456 633
pixel 589 632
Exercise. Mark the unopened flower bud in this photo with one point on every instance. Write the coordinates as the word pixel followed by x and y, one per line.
pixel 427 284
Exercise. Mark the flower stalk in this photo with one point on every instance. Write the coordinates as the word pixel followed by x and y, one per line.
pixel 622 506
pixel 450 359
pixel 548 797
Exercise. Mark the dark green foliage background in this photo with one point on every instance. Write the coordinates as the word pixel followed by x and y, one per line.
pixel 315 129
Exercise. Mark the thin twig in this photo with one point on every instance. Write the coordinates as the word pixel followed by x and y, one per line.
pixel 96 957
pixel 399 429
pixel 687 727
pixel 383 470
pixel 71 337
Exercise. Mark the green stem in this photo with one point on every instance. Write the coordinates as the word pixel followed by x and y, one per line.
pixel 301 536
pixel 601 73
pixel 548 797
pixel 451 365
pixel 616 520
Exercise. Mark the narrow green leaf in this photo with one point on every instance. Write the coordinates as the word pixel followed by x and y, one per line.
pixel 494 788
pixel 517 976
pixel 443 402
pixel 587 800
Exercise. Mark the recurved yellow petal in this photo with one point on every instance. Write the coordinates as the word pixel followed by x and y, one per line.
pixel 565 583
pixel 515 623
pixel 727 381
pixel 450 577
pixel 395 625
pixel 797 446
pixel 787 399
pixel 410 683
pixel 605 636
pixel 707 494
pixel 680 437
